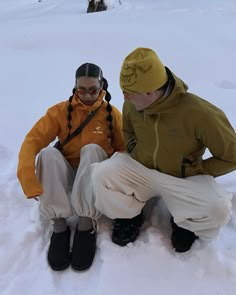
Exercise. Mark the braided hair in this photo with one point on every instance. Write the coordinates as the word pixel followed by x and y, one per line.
pixel 94 71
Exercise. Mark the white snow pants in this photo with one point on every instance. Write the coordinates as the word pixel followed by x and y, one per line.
pixel 197 203
pixel 68 191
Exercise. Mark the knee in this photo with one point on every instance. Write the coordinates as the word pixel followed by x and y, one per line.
pixel 221 210
pixel 91 148
pixel 48 153
pixel 103 172
pixel 109 170
pixel 92 153
pixel 99 172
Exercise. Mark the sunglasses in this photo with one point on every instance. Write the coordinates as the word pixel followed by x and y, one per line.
pixel 90 91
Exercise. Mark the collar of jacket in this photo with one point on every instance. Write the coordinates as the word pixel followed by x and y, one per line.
pixel 77 103
pixel 176 87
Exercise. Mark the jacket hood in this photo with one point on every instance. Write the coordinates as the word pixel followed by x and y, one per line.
pixel 175 89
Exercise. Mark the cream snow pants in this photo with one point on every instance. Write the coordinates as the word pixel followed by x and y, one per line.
pixel 68 191
pixel 122 186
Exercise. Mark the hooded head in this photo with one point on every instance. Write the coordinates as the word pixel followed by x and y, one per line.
pixel 142 72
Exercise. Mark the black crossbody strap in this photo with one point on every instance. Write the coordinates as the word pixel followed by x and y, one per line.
pixel 77 131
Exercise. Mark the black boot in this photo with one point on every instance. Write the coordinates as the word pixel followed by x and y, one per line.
pixel 59 250
pixel 83 250
pixel 182 239
pixel 126 230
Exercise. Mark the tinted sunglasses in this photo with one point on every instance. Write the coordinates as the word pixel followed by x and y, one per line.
pixel 90 91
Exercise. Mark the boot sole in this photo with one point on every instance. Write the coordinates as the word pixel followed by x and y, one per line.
pixel 60 268
pixel 124 243
pixel 81 268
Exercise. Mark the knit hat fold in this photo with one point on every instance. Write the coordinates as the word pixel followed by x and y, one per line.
pixel 142 72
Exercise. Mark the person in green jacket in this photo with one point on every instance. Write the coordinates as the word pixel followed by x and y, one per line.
pixel 167 130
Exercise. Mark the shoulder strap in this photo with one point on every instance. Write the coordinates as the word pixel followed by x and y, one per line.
pixel 77 131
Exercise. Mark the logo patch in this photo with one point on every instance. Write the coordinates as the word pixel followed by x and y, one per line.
pixel 98 130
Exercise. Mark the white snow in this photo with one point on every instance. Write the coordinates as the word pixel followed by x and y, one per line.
pixel 41 46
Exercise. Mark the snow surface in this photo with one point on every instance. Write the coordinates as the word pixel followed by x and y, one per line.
pixel 41 46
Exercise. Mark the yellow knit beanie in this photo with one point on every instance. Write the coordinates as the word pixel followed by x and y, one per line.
pixel 142 72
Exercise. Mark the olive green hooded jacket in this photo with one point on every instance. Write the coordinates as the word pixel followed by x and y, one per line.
pixel 172 134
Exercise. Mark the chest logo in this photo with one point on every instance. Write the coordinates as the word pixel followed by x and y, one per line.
pixel 98 130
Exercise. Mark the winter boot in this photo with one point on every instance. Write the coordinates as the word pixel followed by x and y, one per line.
pixel 84 248
pixel 59 250
pixel 126 230
pixel 182 239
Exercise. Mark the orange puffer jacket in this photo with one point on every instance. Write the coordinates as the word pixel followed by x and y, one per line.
pixel 55 124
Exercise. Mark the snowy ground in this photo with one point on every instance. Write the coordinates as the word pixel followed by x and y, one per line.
pixel 41 46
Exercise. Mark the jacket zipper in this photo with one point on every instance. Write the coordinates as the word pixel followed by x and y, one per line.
pixel 157 143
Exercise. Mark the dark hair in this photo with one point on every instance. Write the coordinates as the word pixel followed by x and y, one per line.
pixel 92 70
pixel 89 70
pixel 170 83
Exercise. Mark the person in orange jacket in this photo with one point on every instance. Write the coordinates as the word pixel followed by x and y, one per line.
pixel 61 178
